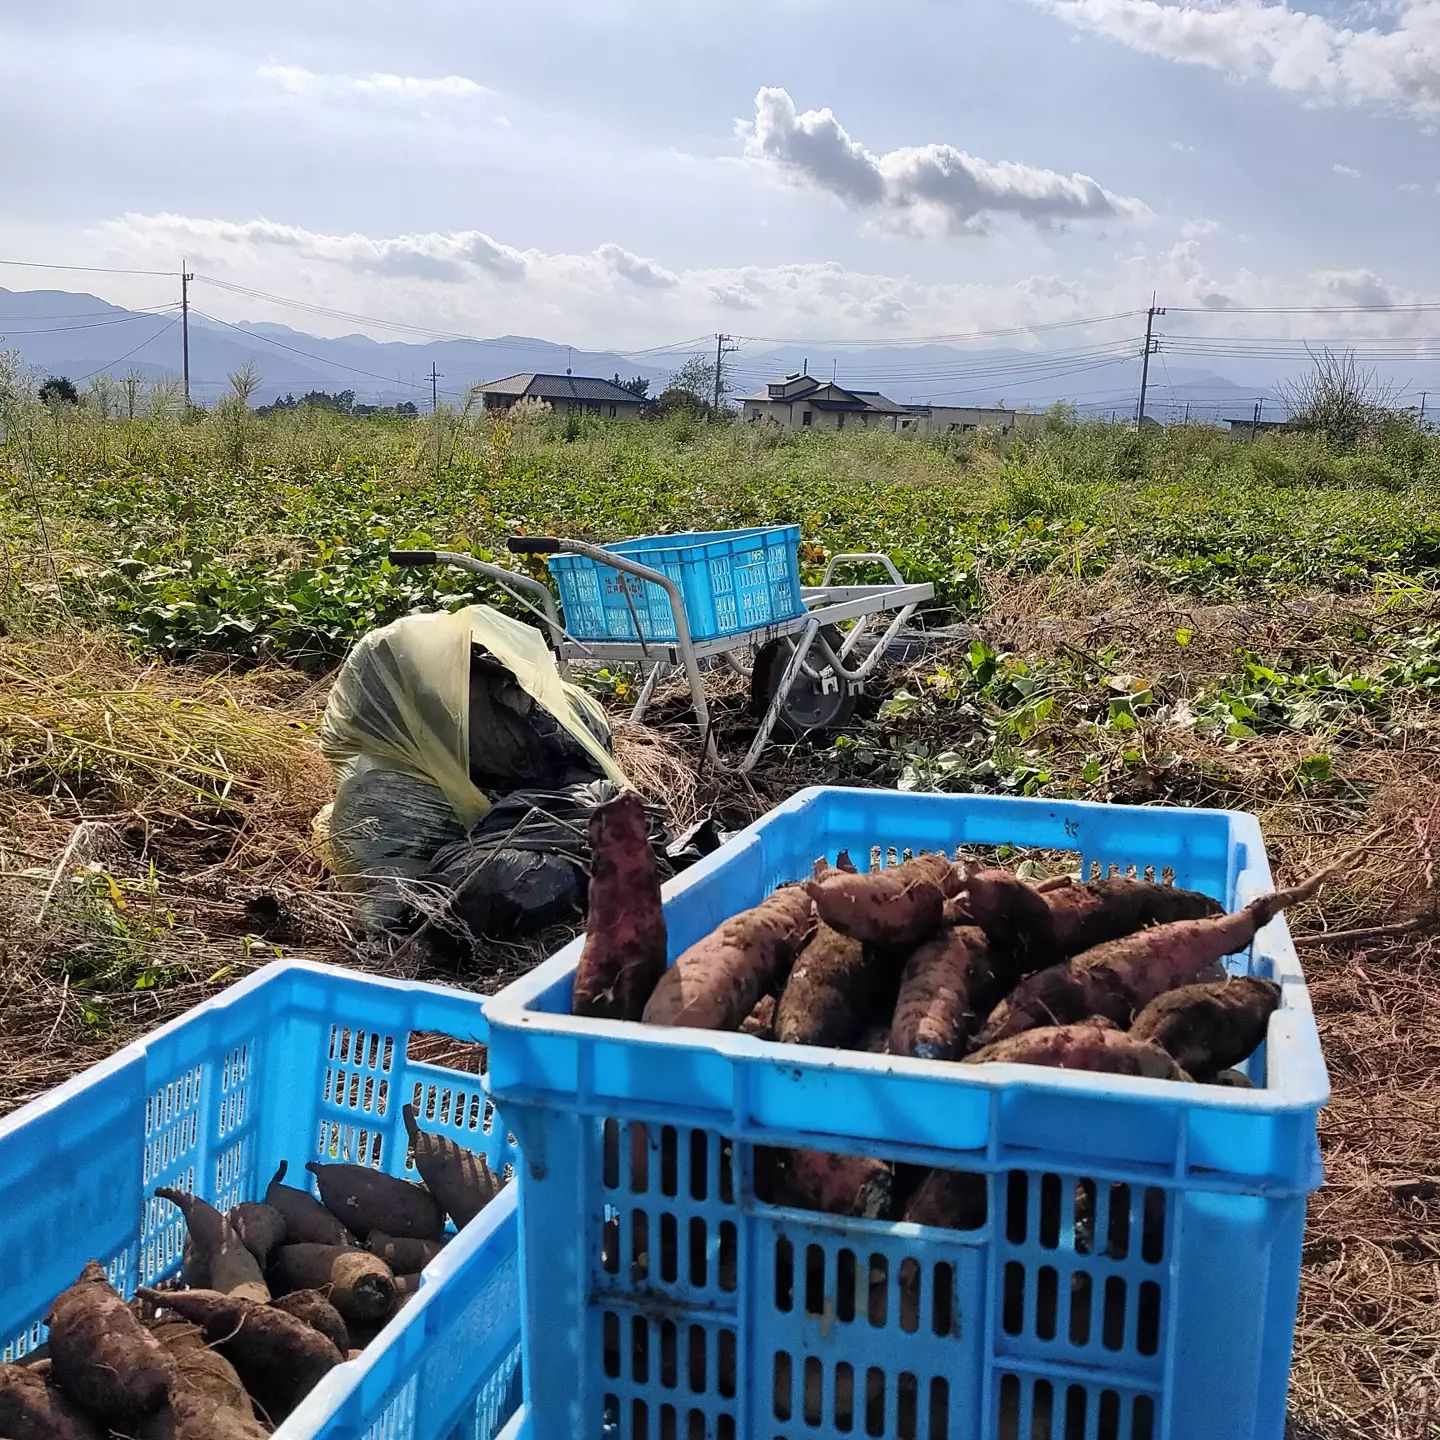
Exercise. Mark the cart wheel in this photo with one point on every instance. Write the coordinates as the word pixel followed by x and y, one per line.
pixel 807 707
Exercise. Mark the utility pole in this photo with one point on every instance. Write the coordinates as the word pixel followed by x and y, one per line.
pixel 723 347
pixel 435 378
pixel 1186 420
pixel 1421 421
pixel 185 278
pixel 1151 346
pixel 1255 421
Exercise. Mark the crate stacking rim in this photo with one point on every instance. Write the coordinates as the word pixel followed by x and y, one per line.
pixel 1133 1275
pixel 731 581
pixel 298 1062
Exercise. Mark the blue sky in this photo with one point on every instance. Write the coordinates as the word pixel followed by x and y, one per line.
pixel 627 174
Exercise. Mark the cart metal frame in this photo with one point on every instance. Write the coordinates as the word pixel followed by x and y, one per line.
pixel 812 654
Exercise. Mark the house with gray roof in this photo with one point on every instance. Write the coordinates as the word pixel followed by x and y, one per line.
pixel 570 394
pixel 801 402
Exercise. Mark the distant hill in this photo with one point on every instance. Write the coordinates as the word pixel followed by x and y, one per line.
pixel 77 334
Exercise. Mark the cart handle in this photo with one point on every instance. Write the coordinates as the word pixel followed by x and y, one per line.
pixel 862 557
pixel 509 580
pixel 533 545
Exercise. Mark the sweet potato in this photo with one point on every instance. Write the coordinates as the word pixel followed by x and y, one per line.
pixel 1090 914
pixel 367 1200
pixel 200 1370
pixel 316 1311
pixel 895 907
pixel 218 1251
pixel 407 1287
pixel 819 1180
pixel 403 1256
pixel 830 992
pixel 950 1199
pixel 1118 979
pixel 760 1022
pixel 279 1357
pixel 1082 1047
pixel 102 1356
pixel 714 985
pixel 1232 1079
pixel 624 953
pixel 935 1010
pixel 1208 1028
pixel 1016 919
pixel 360 1285
pixel 32 1410
pixel 194 1415
pixel 260 1228
pixel 306 1219
pixel 461 1181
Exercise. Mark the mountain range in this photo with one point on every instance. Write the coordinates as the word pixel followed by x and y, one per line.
pixel 78 335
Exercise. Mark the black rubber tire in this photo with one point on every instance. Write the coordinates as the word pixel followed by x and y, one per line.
pixel 808 710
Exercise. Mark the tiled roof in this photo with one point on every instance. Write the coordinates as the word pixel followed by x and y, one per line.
pixel 560 387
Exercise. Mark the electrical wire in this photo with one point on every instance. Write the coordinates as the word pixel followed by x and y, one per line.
pixel 319 359
pixel 149 341
pixel 946 339
pixel 89 269
pixel 94 325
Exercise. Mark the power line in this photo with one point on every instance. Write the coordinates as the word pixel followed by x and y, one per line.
pixel 1389 307
pixel 87 269
pixel 92 314
pixel 149 341
pixel 319 359
pixel 946 339
pixel 95 325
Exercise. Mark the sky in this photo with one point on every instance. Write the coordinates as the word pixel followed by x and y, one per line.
pixel 613 174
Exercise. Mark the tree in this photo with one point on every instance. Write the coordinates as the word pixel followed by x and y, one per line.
pixel 59 390
pixel 639 387
pixel 131 383
pixel 1338 400
pixel 244 382
pixel 696 378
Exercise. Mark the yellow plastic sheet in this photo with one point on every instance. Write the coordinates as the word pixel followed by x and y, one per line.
pixel 403 699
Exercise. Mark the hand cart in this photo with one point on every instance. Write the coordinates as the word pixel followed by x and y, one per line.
pixel 805 671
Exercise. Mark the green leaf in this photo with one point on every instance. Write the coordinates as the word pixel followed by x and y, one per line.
pixel 1184 635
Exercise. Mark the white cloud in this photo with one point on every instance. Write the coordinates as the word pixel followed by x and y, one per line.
pixel 469 282
pixel 1347 170
pixel 929 186
pixel 1409 188
pixel 1294 50
pixel 299 83
pixel 1200 226
pixel 1182 147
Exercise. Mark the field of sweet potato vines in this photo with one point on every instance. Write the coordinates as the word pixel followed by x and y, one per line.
pixel 1163 617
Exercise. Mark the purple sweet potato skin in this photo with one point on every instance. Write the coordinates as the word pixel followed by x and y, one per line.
pixel 950 1199
pixel 279 1357
pixel 1211 1027
pixel 831 990
pixel 1097 911
pixel 1016 919
pixel 624 953
pixel 261 1228
pixel 1082 1047
pixel 935 1009
pixel 760 1022
pixel 820 1180
pixel 361 1286
pixel 192 1415
pixel 102 1356
pixel 219 1252
pixel 316 1311
pixel 306 1219
pixel 460 1179
pixel 366 1200
pixel 895 907
pixel 32 1410
pixel 714 985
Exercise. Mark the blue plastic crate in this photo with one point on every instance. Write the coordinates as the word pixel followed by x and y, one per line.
pixel 298 1062
pixel 663 1297
pixel 731 581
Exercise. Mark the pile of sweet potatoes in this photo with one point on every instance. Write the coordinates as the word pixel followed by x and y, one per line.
pixel 936 959
pixel 276 1294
